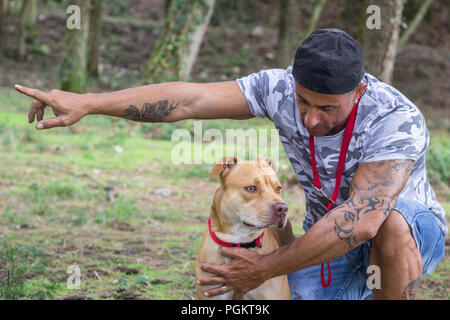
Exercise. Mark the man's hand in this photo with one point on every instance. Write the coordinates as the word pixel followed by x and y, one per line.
pixel 245 271
pixel 68 107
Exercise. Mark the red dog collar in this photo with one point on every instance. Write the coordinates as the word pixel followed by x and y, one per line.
pixel 255 243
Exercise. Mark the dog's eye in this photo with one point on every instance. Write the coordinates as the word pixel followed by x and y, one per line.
pixel 278 189
pixel 251 188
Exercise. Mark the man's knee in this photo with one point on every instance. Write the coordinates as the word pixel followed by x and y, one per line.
pixel 394 237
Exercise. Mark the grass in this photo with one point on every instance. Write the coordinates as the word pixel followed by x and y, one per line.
pixel 19 263
pixel 55 211
pixel 438 158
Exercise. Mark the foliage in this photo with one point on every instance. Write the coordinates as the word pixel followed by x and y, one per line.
pixel 166 62
pixel 233 12
pixel 16 263
pixel 118 8
pixel 410 9
pixel 438 159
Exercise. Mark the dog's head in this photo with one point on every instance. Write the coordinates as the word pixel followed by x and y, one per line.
pixel 251 192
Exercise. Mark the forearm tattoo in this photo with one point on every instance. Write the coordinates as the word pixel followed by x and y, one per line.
pixel 150 112
pixel 350 213
pixel 411 289
pixel 374 189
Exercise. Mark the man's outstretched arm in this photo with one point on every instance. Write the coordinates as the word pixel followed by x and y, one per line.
pixel 165 102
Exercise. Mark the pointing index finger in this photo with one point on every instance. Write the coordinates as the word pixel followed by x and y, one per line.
pixel 33 93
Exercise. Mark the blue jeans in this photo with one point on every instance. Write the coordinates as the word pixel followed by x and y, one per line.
pixel 349 272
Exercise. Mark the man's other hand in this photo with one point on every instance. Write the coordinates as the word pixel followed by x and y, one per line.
pixel 67 107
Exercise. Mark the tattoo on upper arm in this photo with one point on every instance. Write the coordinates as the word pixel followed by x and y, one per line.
pixel 375 188
pixel 150 112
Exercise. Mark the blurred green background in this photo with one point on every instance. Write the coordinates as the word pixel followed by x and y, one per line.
pixel 103 194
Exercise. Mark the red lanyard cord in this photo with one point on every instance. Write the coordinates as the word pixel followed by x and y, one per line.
pixel 340 169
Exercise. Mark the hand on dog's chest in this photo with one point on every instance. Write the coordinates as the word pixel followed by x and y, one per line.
pixel 227 259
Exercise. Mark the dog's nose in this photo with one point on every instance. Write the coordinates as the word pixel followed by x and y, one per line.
pixel 280 209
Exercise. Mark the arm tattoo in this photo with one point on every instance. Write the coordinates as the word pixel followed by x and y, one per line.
pixel 150 112
pixel 374 188
pixel 352 211
pixel 411 289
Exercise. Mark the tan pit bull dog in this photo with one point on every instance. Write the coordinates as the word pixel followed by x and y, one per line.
pixel 247 211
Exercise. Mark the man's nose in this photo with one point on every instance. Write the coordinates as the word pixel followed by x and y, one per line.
pixel 311 120
pixel 280 209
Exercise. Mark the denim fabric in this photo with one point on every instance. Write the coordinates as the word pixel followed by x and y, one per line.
pixel 349 272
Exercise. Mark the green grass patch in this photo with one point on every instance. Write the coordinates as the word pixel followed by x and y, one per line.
pixel 122 209
pixel 17 263
pixel 13 217
pixel 78 215
pixel 170 283
pixel 438 158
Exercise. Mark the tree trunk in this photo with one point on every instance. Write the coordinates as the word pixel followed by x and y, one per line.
pixel 175 51
pixel 167 5
pixel 380 45
pixel 2 39
pixel 285 46
pixel 73 70
pixel 27 22
pixel 387 67
pixel 354 15
pixel 414 23
pixel 288 39
pixel 197 37
pixel 94 37
pixel 315 17
pixel 5 6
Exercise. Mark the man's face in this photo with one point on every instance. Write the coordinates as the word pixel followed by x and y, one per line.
pixel 325 114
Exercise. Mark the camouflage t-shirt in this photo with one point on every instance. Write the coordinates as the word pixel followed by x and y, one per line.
pixel 388 127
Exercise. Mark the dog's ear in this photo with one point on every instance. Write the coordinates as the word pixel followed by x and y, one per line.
pixel 269 162
pixel 223 166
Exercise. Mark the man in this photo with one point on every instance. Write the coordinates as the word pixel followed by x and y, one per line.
pixel 374 207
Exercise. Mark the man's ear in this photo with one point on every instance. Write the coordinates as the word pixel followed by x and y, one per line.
pixel 360 90
pixel 223 166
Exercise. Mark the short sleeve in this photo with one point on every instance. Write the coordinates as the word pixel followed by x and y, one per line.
pixel 263 90
pixel 400 134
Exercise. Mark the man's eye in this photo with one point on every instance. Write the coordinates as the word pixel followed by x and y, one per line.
pixel 251 188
